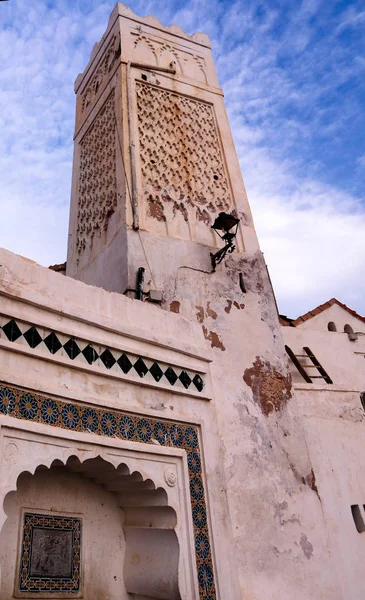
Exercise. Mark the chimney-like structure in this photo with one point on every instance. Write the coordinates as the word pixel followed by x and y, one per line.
pixel 154 160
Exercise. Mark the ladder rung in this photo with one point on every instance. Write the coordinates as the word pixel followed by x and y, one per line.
pixel 302 367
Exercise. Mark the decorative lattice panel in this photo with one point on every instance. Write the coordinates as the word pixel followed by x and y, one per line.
pixel 97 197
pixel 181 156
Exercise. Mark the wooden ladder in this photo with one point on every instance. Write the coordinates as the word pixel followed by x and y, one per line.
pixel 302 368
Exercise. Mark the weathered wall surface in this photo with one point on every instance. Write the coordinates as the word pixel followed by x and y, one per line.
pixel 267 535
pixel 89 315
pixel 276 514
pixel 342 358
pixel 334 423
pixel 333 420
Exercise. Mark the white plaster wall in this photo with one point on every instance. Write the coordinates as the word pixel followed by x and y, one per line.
pixel 334 425
pixel 334 313
pixel 268 534
pixel 58 491
pixel 343 360
pixel 334 420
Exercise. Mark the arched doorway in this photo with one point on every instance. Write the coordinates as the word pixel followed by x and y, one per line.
pixel 107 530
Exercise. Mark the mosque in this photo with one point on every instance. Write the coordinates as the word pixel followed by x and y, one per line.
pixel 165 433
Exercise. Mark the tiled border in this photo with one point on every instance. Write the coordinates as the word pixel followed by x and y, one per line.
pixel 52 585
pixel 80 351
pixel 69 415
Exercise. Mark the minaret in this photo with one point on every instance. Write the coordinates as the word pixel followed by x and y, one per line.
pixel 154 160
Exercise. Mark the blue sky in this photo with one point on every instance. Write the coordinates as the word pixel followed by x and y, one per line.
pixel 293 74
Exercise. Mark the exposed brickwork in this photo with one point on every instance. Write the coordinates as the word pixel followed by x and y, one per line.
pixel 270 389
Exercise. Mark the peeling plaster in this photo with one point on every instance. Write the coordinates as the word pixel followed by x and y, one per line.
pixel 214 338
pixel 203 215
pixel 309 480
pixel 175 306
pixel 270 389
pixel 231 303
pixel 200 314
pixel 210 312
pixel 156 209
pixel 228 307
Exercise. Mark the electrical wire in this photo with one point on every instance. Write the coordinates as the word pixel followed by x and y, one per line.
pixel 131 202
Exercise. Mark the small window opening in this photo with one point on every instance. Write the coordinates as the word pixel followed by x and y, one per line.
pixel 331 326
pixel 144 77
pixel 118 51
pixel 357 516
pixel 362 399
pixel 350 332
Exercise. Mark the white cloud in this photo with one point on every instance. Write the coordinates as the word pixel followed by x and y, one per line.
pixel 312 237
pixel 309 230
pixel 353 19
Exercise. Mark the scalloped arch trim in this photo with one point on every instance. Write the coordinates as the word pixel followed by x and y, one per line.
pixel 26 405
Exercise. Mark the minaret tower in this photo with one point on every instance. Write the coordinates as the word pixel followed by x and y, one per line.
pixel 154 160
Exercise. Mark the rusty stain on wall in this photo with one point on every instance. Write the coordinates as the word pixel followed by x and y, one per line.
pixel 270 389
pixel 234 303
pixel 155 209
pixel 200 314
pixel 309 480
pixel 180 207
pixel 203 215
pixel 210 312
pixel 175 306
pixel 214 338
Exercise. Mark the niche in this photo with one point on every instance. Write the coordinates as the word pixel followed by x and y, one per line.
pixel 350 332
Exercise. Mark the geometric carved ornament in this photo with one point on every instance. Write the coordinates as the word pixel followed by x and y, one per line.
pixel 97 194
pixel 180 154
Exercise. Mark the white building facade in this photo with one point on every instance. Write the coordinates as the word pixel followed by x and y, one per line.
pixel 152 446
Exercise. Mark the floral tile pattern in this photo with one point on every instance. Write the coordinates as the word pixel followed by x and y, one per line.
pixel 71 416
pixel 50 557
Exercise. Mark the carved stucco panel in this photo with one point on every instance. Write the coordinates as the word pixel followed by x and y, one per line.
pixel 101 75
pixel 97 197
pixel 182 166
pixel 188 63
